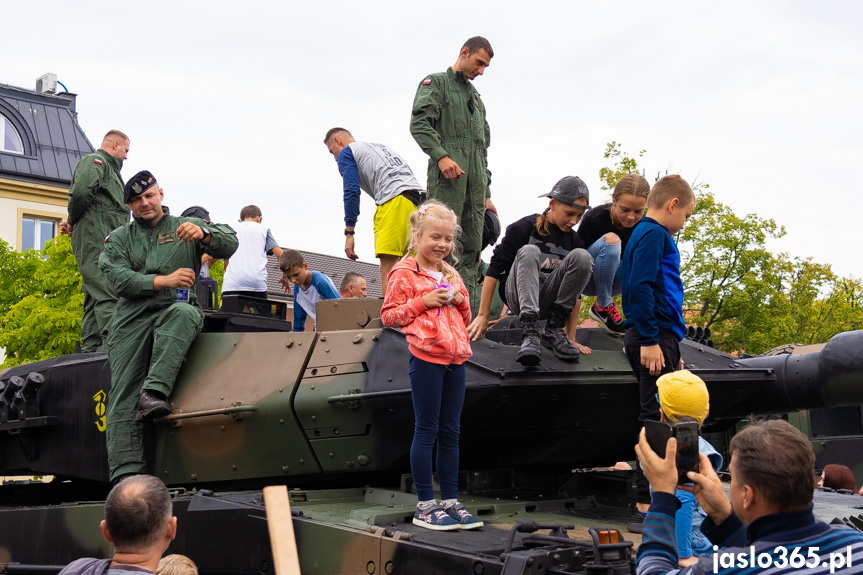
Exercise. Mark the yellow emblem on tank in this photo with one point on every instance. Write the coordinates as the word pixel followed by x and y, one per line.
pixel 100 399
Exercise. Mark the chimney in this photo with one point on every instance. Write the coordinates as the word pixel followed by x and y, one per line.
pixel 70 97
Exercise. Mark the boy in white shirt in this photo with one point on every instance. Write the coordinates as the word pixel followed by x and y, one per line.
pixel 246 272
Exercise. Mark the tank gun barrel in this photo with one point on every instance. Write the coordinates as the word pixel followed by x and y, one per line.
pixel 832 377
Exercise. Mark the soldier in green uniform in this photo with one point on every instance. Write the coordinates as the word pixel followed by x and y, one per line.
pixel 152 264
pixel 448 122
pixel 95 208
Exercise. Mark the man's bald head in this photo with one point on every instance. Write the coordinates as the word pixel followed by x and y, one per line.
pixel 138 513
pixel 116 144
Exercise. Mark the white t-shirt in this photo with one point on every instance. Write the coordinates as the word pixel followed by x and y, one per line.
pixel 247 268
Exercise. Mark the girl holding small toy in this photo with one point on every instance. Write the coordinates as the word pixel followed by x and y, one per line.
pixel 428 301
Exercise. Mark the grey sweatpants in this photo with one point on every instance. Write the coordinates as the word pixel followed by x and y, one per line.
pixel 530 290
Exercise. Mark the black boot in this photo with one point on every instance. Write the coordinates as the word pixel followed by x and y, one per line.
pixel 152 404
pixel 531 350
pixel 555 334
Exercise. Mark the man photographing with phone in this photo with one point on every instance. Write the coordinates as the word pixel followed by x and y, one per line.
pixel 768 524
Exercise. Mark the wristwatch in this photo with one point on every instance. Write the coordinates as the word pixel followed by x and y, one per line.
pixel 206 233
pixel 349 232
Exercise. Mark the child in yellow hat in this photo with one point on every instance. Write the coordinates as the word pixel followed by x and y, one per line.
pixel 683 396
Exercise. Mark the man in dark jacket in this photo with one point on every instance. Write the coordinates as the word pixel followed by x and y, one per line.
pixel 139 522
pixel 767 526
pixel 152 264
pixel 95 208
pixel 448 122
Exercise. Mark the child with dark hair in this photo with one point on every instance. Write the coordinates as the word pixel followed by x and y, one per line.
pixel 542 267
pixel 837 477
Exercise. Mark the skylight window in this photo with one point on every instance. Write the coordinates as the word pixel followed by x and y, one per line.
pixel 10 141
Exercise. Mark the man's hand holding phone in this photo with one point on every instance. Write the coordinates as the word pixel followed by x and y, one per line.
pixel 708 490
pixel 685 433
pixel 661 472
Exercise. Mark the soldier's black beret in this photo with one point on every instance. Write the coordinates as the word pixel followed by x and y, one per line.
pixel 138 184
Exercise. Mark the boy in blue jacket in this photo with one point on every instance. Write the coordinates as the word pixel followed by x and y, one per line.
pixel 653 303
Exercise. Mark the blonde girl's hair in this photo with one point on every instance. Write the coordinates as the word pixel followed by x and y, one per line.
pixel 634 184
pixel 427 213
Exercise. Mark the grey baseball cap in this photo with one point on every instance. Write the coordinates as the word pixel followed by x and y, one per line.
pixel 569 189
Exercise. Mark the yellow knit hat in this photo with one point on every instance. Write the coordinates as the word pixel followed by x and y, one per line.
pixel 683 393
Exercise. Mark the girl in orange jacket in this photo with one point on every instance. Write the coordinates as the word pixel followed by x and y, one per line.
pixel 427 299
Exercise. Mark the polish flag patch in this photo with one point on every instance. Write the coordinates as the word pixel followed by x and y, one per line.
pixel 427 81
pixel 106 238
pixel 97 161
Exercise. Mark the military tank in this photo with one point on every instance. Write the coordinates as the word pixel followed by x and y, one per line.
pixel 329 414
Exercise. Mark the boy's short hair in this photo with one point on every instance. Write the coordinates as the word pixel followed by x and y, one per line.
pixel 668 188
pixel 176 565
pixel 250 212
pixel 290 259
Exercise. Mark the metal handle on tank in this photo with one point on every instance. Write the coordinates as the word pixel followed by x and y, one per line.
pixel 233 410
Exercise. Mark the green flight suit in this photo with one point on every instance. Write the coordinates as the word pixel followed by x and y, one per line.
pixel 496 303
pixel 95 208
pixel 151 331
pixel 448 119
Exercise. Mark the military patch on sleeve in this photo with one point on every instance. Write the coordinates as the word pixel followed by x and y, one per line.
pixel 427 81
pixel 97 161
pixel 167 238
pixel 107 237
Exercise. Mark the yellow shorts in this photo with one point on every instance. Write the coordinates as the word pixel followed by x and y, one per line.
pixel 392 226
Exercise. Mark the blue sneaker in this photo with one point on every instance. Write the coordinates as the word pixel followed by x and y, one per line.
pixel 435 518
pixel 465 520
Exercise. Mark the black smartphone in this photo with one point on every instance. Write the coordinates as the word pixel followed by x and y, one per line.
pixel 658 433
pixel 686 433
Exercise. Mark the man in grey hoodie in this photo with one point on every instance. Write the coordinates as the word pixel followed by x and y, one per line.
pixel 139 522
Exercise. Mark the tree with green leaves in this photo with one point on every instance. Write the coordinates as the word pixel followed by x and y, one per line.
pixel 40 301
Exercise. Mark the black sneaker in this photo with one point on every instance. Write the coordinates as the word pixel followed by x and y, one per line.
pixel 609 318
pixel 636 520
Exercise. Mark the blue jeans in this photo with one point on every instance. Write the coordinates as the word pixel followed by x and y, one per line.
pixel 605 282
pixel 438 395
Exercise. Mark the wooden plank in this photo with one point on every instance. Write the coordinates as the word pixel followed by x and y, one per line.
pixel 281 527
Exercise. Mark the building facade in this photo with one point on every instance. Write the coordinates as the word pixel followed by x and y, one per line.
pixel 40 145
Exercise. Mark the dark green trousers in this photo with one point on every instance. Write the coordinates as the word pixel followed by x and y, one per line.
pixel 146 350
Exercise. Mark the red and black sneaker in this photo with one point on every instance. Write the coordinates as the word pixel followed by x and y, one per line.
pixel 608 317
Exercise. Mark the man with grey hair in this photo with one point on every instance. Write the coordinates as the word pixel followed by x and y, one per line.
pixel 140 524
pixel 353 285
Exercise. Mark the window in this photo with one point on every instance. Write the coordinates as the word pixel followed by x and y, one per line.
pixel 10 141
pixel 36 232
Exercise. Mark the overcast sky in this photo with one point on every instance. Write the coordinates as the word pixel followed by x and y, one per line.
pixel 227 103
